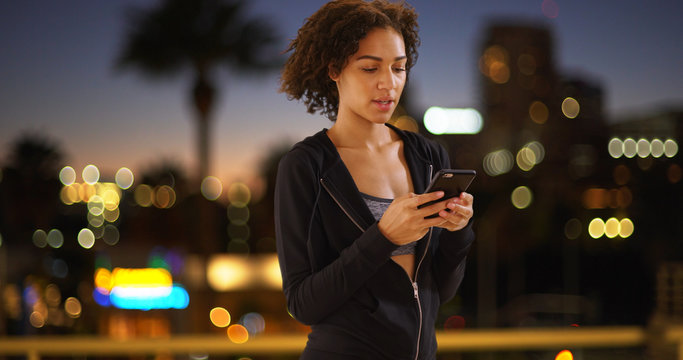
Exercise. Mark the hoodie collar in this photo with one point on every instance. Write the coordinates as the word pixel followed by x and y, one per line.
pixel 337 179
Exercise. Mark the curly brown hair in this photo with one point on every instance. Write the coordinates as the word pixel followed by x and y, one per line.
pixel 329 37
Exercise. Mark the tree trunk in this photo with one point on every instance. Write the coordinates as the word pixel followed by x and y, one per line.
pixel 203 95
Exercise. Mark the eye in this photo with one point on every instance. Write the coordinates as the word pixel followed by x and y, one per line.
pixel 399 69
pixel 369 70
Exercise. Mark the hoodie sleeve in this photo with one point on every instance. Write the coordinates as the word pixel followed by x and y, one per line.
pixel 313 287
pixel 451 253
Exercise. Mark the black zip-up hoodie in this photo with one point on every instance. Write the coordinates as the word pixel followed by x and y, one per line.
pixel 337 272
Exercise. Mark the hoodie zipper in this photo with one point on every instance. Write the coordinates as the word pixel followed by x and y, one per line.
pixel 416 292
pixel 322 182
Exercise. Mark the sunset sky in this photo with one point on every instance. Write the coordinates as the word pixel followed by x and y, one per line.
pixel 57 77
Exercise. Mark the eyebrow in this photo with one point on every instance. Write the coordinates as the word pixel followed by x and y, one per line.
pixel 376 58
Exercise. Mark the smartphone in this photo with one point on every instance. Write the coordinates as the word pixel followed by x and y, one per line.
pixel 452 182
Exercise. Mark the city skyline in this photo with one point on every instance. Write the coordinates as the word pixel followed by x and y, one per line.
pixel 58 77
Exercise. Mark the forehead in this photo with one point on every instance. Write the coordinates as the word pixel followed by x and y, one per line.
pixel 386 43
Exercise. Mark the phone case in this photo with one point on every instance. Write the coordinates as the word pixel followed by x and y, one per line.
pixel 452 182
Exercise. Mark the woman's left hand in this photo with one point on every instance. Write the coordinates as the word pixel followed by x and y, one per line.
pixel 459 212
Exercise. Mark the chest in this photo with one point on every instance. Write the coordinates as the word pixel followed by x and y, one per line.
pixel 383 174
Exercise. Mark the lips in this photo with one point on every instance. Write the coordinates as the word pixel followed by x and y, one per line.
pixel 384 104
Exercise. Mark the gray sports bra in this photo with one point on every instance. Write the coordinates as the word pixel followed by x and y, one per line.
pixel 377 207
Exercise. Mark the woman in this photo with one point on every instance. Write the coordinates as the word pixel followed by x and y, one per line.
pixel 360 262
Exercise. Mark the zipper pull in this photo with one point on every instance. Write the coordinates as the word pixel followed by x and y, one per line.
pixel 415 289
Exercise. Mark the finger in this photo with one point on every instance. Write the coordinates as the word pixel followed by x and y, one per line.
pixel 437 221
pixel 425 198
pixel 432 209
pixel 456 208
pixel 466 198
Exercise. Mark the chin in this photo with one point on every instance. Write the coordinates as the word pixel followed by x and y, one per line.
pixel 380 118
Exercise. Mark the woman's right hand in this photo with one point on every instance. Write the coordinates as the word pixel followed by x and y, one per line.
pixel 403 223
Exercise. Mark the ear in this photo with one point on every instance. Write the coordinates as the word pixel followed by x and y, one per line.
pixel 332 73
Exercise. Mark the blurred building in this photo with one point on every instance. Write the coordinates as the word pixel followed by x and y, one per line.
pixel 135 256
pixel 556 210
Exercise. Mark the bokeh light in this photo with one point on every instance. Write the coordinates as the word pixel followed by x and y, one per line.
pixel 238 246
pixel 59 268
pixel 143 195
pixel 226 272
pixel 494 64
pixel 36 319
pixel 96 205
pixel 572 229
pixel 72 307
pixel 103 279
pixel 657 148
pixel 211 188
pixel 643 148
pixel 526 159
pixel 95 220
pixel 238 334
pixel 124 178
pixel 598 198
pixel 621 174
pixel 630 148
pixel 86 238
pixel 110 194
pixel 564 355
pixel 55 238
pixel 596 228
pixel 521 197
pixel 455 322
pixel 238 215
pixel 674 173
pixel 438 120
pixel 406 122
pixel 219 317
pixel 611 228
pixel 526 64
pixel 164 197
pixel 570 108
pixel 90 174
pixel 670 148
pixel 67 175
pixel 110 235
pixel 97 230
pixel 69 194
pixel 538 112
pixel 626 228
pixel 550 9
pixel 238 231
pixel 85 191
pixel 39 238
pixel 615 147
pixel 111 215
pixel 52 295
pixel 239 194
pixel 253 322
pixel 538 150
pixel 498 162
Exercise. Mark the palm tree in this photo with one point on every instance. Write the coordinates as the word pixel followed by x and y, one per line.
pixel 198 35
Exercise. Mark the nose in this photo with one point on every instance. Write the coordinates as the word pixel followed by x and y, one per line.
pixel 387 80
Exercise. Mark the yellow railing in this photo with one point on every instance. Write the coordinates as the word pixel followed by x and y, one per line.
pixel 518 339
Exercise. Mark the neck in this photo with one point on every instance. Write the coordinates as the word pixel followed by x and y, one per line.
pixel 360 134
